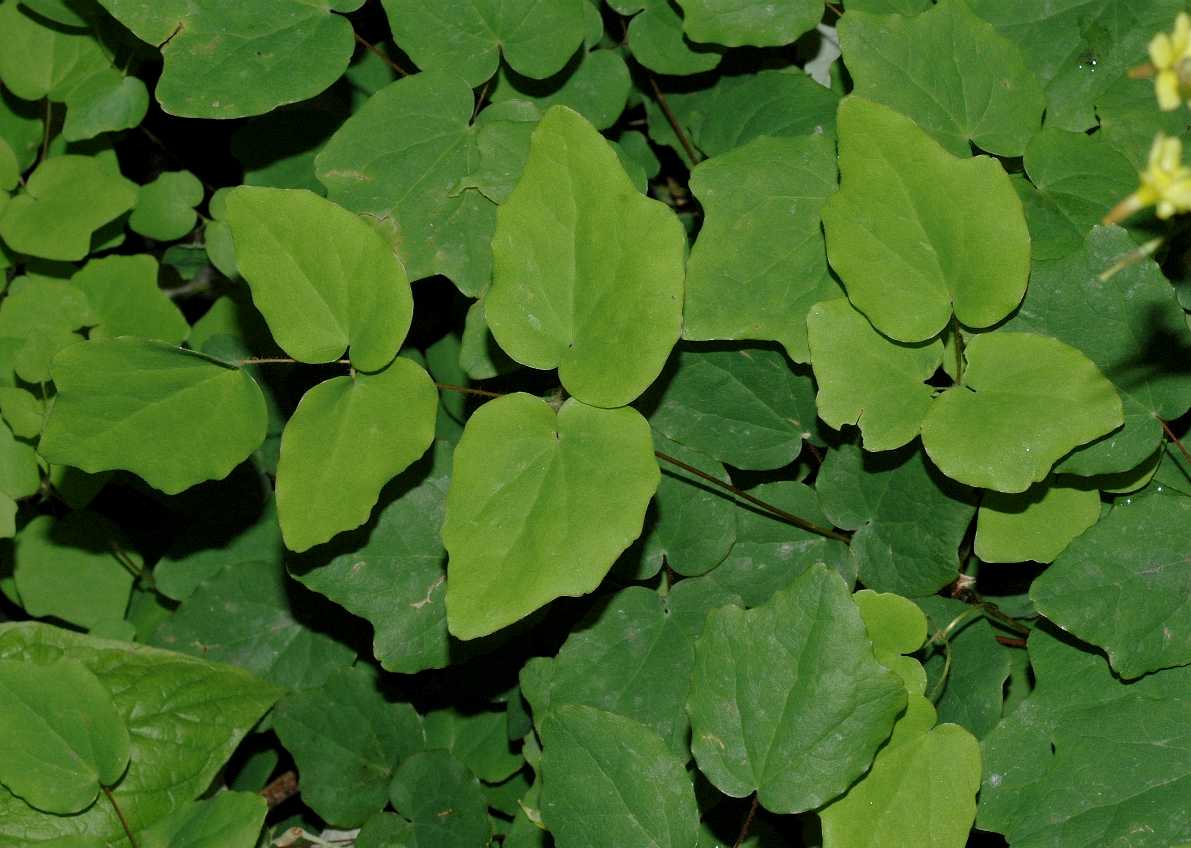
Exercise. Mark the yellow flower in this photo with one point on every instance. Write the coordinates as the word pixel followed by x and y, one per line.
pixel 1171 57
pixel 1165 183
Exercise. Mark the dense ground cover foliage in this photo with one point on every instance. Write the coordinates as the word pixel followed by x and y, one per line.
pixel 602 423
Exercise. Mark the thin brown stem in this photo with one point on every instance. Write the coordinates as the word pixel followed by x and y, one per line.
pixel 1178 444
pixel 45 133
pixel 280 789
pixel 959 350
pixel 839 13
pixel 789 518
pixel 691 153
pixel 480 99
pixel 467 390
pixel 1010 642
pixel 746 824
pixel 376 51
pixel 120 816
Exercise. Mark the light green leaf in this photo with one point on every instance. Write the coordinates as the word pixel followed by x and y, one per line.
pixel 468 37
pixel 316 300
pixel 867 379
pixel 896 627
pixel 234 61
pixel 351 435
pixel 442 801
pixel 61 735
pixel 915 232
pixel 42 312
pixel 602 767
pixel 540 506
pixel 123 294
pixel 142 405
pixel 1123 585
pixel 1026 400
pixel 1036 524
pixel 479 354
pixel 479 739
pixel 587 273
pixel 19 477
pixel 787 699
pixel 656 40
pixel 392 571
pixel 412 183
pixel 594 84
pixel 347 739
pixel 45 61
pixel 184 716
pixel 250 616
pixel 225 820
pixel 1089 759
pixel 909 519
pixel 1068 300
pixel 755 23
pixel 744 406
pixel 165 207
pixel 921 790
pixel 22 411
pixel 59 11
pixel 950 72
pixel 105 102
pixel 1078 49
pixel 759 262
pixel 21 128
pixel 66 199
pixel 68 568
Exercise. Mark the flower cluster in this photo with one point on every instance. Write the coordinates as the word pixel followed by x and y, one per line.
pixel 1171 58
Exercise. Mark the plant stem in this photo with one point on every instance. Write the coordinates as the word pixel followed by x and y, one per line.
pixel 839 13
pixel 748 822
pixel 959 350
pixel 1178 444
pixel 372 48
pixel 120 816
pixel 789 518
pixel 280 789
pixel 45 134
pixel 691 153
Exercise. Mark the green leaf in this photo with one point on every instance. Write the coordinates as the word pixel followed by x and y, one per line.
pixel 1129 121
pixel 867 379
pixel 787 699
pixel 58 11
pixel 184 716
pixel 68 568
pixel 921 790
pixel 165 207
pixel 598 766
pixel 231 62
pixel 948 71
pixel 105 102
pixel 20 126
pixel 587 273
pixel 351 435
pixel 755 23
pixel 891 7
pixel 540 506
pixel 1068 301
pixel 746 407
pixel 250 616
pixel 1036 524
pixel 19 477
pixel 1123 585
pixel 1078 50
pixel 656 40
pixel 1026 400
pixel 392 571
pixel 896 627
pixel 318 301
pixel 225 820
pixel 595 84
pixel 478 739
pixel 410 183
pixel 42 312
pixel 347 739
pixel 1088 759
pixel 141 405
pixel 915 232
pixel 278 149
pixel 759 262
pixel 123 294
pixel 635 636
pixel 909 519
pixel 45 61
pixel 66 199
pixel 442 800
pixel 22 411
pixel 62 735
pixel 468 37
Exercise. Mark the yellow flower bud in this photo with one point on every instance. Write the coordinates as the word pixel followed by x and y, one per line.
pixel 1171 58
pixel 1165 183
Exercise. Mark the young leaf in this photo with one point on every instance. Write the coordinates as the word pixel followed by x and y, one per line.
pixel 66 199
pixel 755 23
pixel 231 62
pixel 949 71
pixel 42 312
pixel 347 739
pixel 442 801
pixel 867 379
pixel 165 207
pixel 142 405
pixel 123 294
pixel 540 506
pixel 587 273
pixel 759 262
pixel 1036 524
pixel 105 102
pixel 320 275
pixel 45 61
pixel 915 232
pixel 350 436
pixel 1025 402
pixel 62 736
pixel 1123 585
pixel 468 37
pixel 787 699
pixel 595 84
pixel 478 738
pixel 656 40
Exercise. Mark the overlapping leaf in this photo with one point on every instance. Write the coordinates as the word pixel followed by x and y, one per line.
pixel 1036 524
pixel 757 23
pixel 122 293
